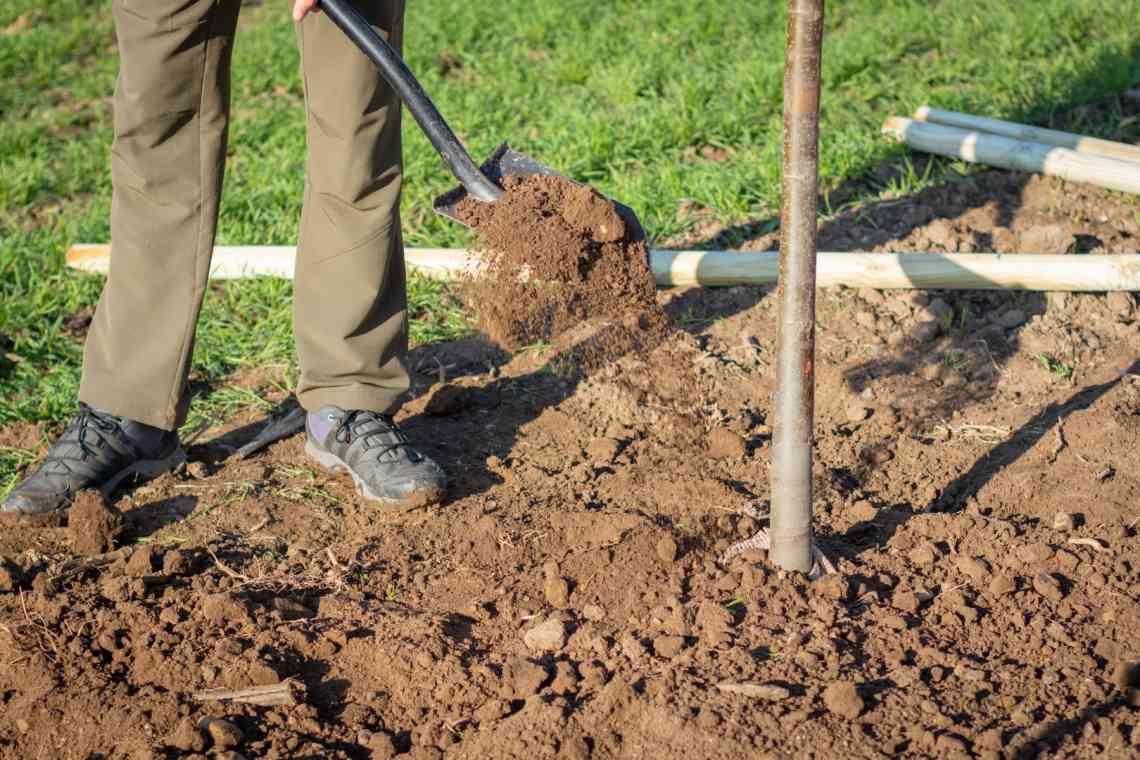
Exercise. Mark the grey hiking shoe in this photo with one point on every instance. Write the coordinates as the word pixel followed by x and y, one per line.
pixel 95 451
pixel 383 463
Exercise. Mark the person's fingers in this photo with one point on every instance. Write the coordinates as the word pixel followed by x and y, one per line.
pixel 303 7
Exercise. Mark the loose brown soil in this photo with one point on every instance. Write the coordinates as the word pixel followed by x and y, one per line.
pixel 557 253
pixel 976 484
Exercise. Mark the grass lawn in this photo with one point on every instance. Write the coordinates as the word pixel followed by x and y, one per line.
pixel 622 95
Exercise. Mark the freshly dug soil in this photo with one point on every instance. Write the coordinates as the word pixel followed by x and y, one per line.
pixel 93 524
pixel 557 253
pixel 976 481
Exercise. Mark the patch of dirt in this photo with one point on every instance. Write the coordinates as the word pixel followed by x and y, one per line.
pixel 569 599
pixel 92 524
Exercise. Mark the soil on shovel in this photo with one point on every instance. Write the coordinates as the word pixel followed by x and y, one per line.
pixel 557 253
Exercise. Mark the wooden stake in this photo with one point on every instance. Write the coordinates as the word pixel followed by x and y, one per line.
pixel 951 271
pixel 1006 153
pixel 1079 143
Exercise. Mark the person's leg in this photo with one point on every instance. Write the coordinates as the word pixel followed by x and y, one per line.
pixel 170 107
pixel 171 111
pixel 349 290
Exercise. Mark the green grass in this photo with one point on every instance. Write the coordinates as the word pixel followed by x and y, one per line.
pixel 623 95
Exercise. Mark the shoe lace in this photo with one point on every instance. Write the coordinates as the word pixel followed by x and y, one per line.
pixel 87 429
pixel 378 432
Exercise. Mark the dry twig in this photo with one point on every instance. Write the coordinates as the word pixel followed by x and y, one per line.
pixel 287 692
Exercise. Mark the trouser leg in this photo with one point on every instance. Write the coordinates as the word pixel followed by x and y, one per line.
pixel 349 285
pixel 171 112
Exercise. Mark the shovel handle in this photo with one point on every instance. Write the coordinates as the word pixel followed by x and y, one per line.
pixel 400 77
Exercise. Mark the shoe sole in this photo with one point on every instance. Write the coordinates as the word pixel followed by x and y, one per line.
pixel 333 463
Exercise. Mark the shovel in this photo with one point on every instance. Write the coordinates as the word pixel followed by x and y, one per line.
pixel 483 184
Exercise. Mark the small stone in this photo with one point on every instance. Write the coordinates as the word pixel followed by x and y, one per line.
pixel 725 444
pixel 857 412
pixel 186 737
pixel 223 733
pixel 1048 586
pixel 843 699
pixel 593 613
pixel 667 549
pixel 546 637
pixel 769 691
pixel 668 646
pixel 1063 521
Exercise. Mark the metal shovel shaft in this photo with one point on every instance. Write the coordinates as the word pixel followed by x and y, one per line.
pixel 790 471
pixel 397 73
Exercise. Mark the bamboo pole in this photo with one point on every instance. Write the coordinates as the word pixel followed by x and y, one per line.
pixel 794 407
pixel 1079 143
pixel 1007 153
pixel 885 271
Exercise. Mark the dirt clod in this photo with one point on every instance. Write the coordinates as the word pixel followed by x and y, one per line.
pixel 843 699
pixel 141 562
pixel 557 591
pixel 186 737
pixel 93 524
pixel 725 444
pixel 1048 586
pixel 667 549
pixel 549 636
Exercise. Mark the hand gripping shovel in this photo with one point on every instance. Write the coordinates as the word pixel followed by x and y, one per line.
pixel 483 184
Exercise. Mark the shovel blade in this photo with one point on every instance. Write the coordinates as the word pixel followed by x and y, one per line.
pixel 504 163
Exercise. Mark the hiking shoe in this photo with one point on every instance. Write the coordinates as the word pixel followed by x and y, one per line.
pixel 95 451
pixel 383 463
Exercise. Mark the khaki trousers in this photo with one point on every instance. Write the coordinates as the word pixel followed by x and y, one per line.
pixel 171 112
